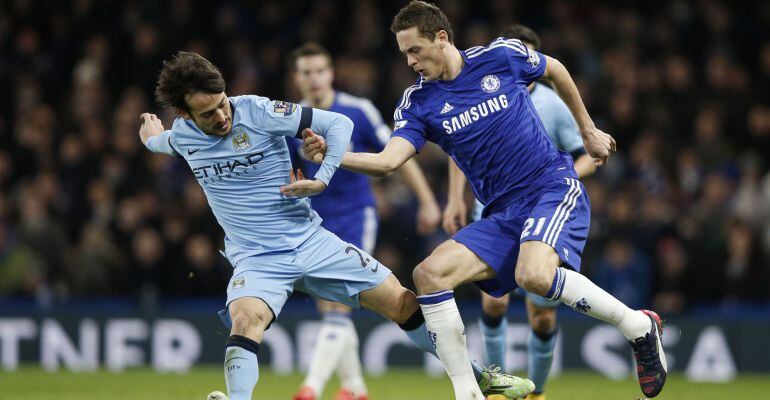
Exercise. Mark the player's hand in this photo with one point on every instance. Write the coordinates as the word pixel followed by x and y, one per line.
pixel 599 145
pixel 313 146
pixel 428 218
pixel 151 126
pixel 455 216
pixel 300 187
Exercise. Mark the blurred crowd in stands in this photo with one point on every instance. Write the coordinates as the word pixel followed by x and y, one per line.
pixel 680 216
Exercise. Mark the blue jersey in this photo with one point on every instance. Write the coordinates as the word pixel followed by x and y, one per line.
pixel 557 119
pixel 558 122
pixel 485 120
pixel 349 190
pixel 241 173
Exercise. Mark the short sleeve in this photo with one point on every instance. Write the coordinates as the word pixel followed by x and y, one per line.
pixel 281 118
pixel 526 65
pixel 406 121
pixel 410 127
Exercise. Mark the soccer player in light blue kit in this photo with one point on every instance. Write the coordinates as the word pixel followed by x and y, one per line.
pixel 236 149
pixel 475 105
pixel 348 210
pixel 563 131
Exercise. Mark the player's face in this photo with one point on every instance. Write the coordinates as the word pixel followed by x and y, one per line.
pixel 211 112
pixel 423 55
pixel 313 76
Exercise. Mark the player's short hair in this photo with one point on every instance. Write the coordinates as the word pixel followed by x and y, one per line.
pixel 428 19
pixel 306 50
pixel 523 33
pixel 183 74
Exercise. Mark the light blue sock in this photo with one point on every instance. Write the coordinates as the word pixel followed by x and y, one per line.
pixel 421 339
pixel 241 367
pixel 539 358
pixel 495 342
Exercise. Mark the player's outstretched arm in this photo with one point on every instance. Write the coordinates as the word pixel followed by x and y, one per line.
pixel 396 152
pixel 456 212
pixel 394 155
pixel 598 144
pixel 153 136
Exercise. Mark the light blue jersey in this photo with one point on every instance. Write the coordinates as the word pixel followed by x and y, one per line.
pixel 557 120
pixel 241 173
pixel 559 125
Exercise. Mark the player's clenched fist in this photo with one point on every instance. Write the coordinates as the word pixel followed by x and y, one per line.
pixel 313 146
pixel 599 145
pixel 151 126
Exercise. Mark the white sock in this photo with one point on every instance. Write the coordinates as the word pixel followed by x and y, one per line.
pixel 349 367
pixel 330 344
pixel 447 332
pixel 581 294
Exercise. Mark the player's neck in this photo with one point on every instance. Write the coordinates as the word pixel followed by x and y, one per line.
pixel 454 65
pixel 324 102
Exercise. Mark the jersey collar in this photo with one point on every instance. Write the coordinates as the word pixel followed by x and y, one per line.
pixel 460 76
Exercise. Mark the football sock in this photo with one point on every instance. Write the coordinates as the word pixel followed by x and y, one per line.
pixel 241 367
pixel 581 294
pixel 447 334
pixel 539 357
pixel 349 367
pixel 416 330
pixel 330 344
pixel 493 330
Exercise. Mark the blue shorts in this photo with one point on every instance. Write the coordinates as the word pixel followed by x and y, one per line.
pixel 323 266
pixel 357 227
pixel 559 215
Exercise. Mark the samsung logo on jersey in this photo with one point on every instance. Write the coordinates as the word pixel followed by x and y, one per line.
pixel 473 114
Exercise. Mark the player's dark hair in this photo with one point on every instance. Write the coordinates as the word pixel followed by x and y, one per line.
pixel 306 50
pixel 523 33
pixel 183 74
pixel 428 19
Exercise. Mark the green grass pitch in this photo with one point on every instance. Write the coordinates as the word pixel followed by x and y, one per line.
pixel 31 383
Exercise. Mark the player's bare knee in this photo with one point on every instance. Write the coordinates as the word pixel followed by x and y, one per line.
pixel 533 278
pixel 248 322
pixel 543 320
pixel 495 307
pixel 430 276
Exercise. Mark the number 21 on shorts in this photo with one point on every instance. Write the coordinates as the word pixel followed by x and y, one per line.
pixel 528 225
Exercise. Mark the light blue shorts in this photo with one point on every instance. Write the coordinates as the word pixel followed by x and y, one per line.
pixel 323 266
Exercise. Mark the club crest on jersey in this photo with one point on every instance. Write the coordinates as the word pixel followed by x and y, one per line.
pixel 490 83
pixel 284 107
pixel 533 59
pixel 241 141
pixel 239 283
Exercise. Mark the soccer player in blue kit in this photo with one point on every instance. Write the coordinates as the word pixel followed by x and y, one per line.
pixel 347 207
pixel 564 133
pixel 236 149
pixel 475 105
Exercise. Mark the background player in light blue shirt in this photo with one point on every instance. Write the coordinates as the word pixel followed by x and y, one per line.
pixel 475 105
pixel 347 207
pixel 236 149
pixel 564 132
